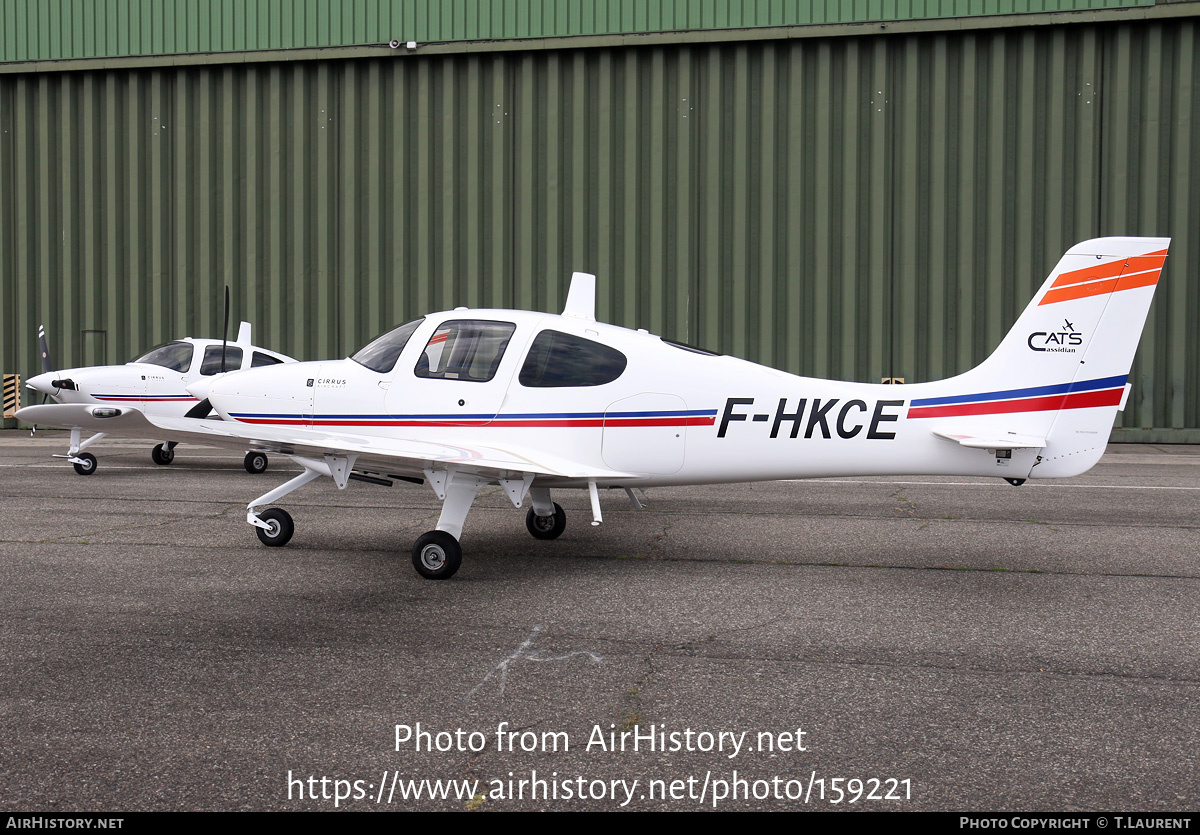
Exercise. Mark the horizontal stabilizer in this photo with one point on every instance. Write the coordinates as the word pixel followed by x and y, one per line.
pixel 1006 440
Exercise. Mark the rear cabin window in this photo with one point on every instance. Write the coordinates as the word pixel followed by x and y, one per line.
pixel 212 360
pixel 177 356
pixel 558 360
pixel 465 349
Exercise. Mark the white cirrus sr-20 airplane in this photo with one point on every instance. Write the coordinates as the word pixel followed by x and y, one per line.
pixel 536 402
pixel 156 383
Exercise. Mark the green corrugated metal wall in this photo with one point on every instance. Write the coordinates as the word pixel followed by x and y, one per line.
pixel 850 207
pixel 32 30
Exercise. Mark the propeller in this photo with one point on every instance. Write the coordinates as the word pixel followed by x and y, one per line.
pixel 201 409
pixel 47 366
pixel 44 348
pixel 225 330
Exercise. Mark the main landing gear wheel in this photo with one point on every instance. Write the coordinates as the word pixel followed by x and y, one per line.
pixel 437 555
pixel 546 527
pixel 86 465
pixel 279 528
pixel 162 456
pixel 255 462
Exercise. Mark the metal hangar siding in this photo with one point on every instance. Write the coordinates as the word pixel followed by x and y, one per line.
pixel 55 30
pixel 837 201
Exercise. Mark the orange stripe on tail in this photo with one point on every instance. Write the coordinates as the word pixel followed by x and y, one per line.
pixel 1139 271
pixel 1112 269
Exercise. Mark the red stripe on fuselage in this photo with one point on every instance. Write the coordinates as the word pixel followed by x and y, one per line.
pixel 1078 400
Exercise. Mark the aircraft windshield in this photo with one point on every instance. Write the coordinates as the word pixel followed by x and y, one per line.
pixel 381 354
pixel 176 356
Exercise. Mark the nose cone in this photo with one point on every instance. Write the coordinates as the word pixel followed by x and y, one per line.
pixel 44 383
pixel 200 388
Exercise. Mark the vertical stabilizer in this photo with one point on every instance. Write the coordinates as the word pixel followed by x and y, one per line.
pixel 1061 372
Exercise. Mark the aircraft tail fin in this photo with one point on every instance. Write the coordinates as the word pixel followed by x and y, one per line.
pixel 1061 372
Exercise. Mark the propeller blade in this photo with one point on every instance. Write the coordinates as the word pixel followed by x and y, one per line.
pixel 200 410
pixel 44 348
pixel 225 329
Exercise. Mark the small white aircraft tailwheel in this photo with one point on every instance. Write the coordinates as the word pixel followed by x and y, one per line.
pixel 546 527
pixel 437 555
pixel 255 462
pixel 86 465
pixel 161 455
pixel 279 528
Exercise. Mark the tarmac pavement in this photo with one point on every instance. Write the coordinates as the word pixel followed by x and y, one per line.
pixel 922 643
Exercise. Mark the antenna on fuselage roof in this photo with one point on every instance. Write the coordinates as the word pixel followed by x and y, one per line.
pixel 581 297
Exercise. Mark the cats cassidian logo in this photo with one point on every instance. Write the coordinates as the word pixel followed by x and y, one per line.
pixel 1063 341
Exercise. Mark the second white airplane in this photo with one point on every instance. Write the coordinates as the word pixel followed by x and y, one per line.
pixel 536 402
pixel 155 383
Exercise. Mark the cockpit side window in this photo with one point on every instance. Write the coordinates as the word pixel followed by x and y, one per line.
pixel 558 360
pixel 261 360
pixel 465 349
pixel 212 359
pixel 380 355
pixel 177 356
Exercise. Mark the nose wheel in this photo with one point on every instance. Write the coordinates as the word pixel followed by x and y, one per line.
pixel 279 527
pixel 161 455
pixel 84 463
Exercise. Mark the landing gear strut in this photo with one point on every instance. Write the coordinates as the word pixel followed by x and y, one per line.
pixel 84 462
pixel 274 526
pixel 437 554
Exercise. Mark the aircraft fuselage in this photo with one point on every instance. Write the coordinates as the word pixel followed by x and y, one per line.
pixel 672 416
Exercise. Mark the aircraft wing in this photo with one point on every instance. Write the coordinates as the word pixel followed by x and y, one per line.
pixel 375 453
pixel 992 440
